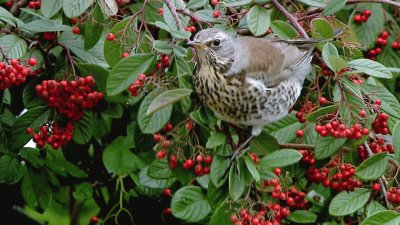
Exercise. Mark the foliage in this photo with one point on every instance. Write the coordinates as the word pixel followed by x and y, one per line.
pixel 98 111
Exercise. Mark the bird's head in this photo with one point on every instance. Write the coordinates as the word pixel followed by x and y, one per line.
pixel 214 46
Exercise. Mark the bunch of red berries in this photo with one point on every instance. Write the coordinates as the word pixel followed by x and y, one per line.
pixel 394 195
pixel 340 130
pixel 49 36
pixel 270 214
pixel 201 168
pixel 70 98
pixel 380 125
pixel 14 73
pixel 137 84
pixel 163 62
pixel 191 29
pixel 362 17
pixel 308 157
pixel 35 4
pixel 296 199
pixel 380 42
pixel 189 125
pixel 254 157
pixel 376 147
pixel 306 108
pixel 52 134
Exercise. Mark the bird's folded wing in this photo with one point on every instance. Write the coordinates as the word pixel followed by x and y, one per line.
pixel 269 60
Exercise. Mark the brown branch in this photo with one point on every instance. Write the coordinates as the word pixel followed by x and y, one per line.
pixel 382 180
pixel 389 2
pixel 172 8
pixel 291 18
pixel 18 4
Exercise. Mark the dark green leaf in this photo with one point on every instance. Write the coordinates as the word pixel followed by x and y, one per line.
pixel 10 170
pixel 280 158
pixel 45 26
pixel 346 203
pixel 237 183
pixel 326 146
pixel 84 128
pixel 126 71
pixel 218 169
pixel 370 67
pixel 333 6
pixel 50 7
pixel 221 215
pixel 7 17
pixel 387 217
pixel 195 4
pixel 150 124
pixel 258 20
pixel 92 34
pixel 215 140
pixel 252 168
pixel 117 157
pixel 321 28
pixel 162 46
pixel 302 216
pixel 36 190
pixel 373 167
pixel 316 3
pixel 166 98
pixel 284 130
pixel 283 29
pixel 190 204
pixel 396 140
pixel 13 46
pixel 321 112
pixel 150 182
pixel 264 143
pixel 159 169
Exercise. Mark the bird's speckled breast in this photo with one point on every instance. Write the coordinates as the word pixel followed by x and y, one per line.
pixel 235 101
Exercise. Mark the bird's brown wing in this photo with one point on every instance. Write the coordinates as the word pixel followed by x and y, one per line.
pixel 270 60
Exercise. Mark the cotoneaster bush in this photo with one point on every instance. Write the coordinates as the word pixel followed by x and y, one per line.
pixel 99 123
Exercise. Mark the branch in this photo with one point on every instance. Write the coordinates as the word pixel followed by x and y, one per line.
pixel 382 180
pixel 291 18
pixel 18 4
pixel 389 2
pixel 172 8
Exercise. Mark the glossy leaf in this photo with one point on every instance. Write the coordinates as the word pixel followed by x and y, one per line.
pixel 373 167
pixel 280 158
pixel 167 98
pixel 326 146
pixel 346 203
pixel 259 20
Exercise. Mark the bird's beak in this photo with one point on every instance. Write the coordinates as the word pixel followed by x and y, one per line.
pixel 196 45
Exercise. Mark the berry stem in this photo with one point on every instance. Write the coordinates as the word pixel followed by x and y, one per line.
pixel 291 18
pixel 382 180
pixel 70 59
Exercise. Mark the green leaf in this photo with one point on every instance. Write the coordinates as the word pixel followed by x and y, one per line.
pixel 117 157
pixel 92 34
pixel 390 104
pixel 258 20
pixel 302 216
pixel 329 50
pixel 75 8
pixel 113 49
pixel 316 3
pixel 232 3
pixel 333 6
pixel 321 112
pixel 337 63
pixel 190 204
pixel 150 124
pixel 219 169
pixel 284 130
pixel 195 4
pixel 396 140
pixel 10 170
pixel 36 190
pixel 346 203
pixel 7 17
pixel 84 128
pixel 387 217
pixel 283 29
pixel 368 31
pixel 49 8
pixel 326 146
pixel 321 28
pixel 159 169
pixel 215 140
pixel 147 181
pixel 162 46
pixel 45 26
pixel 264 143
pixel 370 67
pixel 373 167
pixel 35 117
pixel 252 168
pixel 61 167
pixel 280 158
pixel 30 98
pixel 32 156
pixel 98 72
pixel 166 98
pixel 13 46
pixel 221 215
pixel 237 183
pixel 374 207
pixel 126 71
pixel 83 191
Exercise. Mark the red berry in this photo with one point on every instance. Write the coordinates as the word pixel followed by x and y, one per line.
pixel 216 14
pixel 9 4
pixel 125 54
pixel 214 2
pixel 76 30
pixel 375 186
pixel 94 219
pixel 378 102
pixel 323 101
pixel 357 18
pixel 29 130
pixel 384 35
pixel 167 192
pixel 110 37
pixel 367 13
pixel 32 61
pixel 300 133
pixel 277 171
pixel 199 158
pixel 396 45
pixel 160 11
pixel 208 159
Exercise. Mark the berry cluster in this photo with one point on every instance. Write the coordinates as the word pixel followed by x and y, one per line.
pixel 270 214
pixel 376 147
pixel 380 42
pixel 14 73
pixel 164 62
pixel 340 130
pixel 52 134
pixel 394 195
pixel 356 78
pixel 9 4
pixel 325 70
pixel 342 180
pixel 308 157
pixel 189 125
pixel 202 167
pixel 35 4
pixel 293 197
pixel 49 36
pixel 191 29
pixel 306 108
pixel 70 98
pixel 254 157
pixel 362 17
pixel 137 84
pixel 380 125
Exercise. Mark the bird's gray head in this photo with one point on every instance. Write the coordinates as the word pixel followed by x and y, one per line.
pixel 214 47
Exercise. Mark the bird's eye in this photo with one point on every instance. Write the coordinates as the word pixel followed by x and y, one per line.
pixel 216 42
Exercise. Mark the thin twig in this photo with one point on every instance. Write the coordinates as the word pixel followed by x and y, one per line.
pixel 18 4
pixel 172 8
pixel 291 18
pixel 382 180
